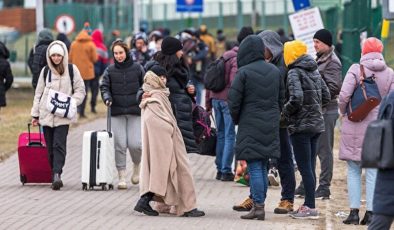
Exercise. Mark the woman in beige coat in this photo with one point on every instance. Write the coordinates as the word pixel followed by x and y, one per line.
pixel 56 127
pixel 165 172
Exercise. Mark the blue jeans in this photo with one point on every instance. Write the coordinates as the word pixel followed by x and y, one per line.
pixel 258 180
pixel 226 136
pixel 305 148
pixel 354 184
pixel 286 166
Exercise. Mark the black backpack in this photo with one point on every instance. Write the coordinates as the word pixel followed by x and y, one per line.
pixel 214 78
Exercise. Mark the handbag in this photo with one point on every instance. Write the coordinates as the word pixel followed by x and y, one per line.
pixel 207 146
pixel 365 98
pixel 377 150
pixel 61 104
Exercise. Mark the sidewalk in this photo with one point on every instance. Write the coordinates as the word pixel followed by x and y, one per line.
pixel 38 207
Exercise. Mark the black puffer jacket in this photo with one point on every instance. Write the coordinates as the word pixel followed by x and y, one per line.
pixel 182 104
pixel 253 101
pixel 120 84
pixel 6 77
pixel 307 92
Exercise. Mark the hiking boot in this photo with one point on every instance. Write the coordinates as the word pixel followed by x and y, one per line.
pixel 353 217
pixel 245 206
pixel 257 212
pixel 218 175
pixel 323 194
pixel 299 192
pixel 273 177
pixel 122 179
pixel 57 182
pixel 367 218
pixel 285 206
pixel 135 177
pixel 227 177
pixel 143 205
pixel 194 213
pixel 304 212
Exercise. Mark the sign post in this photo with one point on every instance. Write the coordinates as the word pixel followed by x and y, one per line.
pixel 388 9
pixel 305 24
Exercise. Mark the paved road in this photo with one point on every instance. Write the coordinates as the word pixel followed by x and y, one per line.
pixel 38 207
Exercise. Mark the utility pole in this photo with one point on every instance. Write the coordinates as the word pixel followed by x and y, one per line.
pixel 39 16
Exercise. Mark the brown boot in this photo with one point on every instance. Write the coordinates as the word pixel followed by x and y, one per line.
pixel 256 212
pixel 285 206
pixel 245 206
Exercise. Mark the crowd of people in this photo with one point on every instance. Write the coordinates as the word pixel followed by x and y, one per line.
pixel 284 102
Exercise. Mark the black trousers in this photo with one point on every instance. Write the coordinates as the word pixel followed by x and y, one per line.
pixel 93 86
pixel 56 140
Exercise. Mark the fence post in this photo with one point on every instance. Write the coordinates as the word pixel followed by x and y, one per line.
pixel 240 19
pixel 262 16
pixel 220 18
pixel 285 17
pixel 165 16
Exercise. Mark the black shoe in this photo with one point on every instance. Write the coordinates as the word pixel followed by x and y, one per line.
pixel 353 217
pixel 218 175
pixel 299 192
pixel 93 110
pixel 227 177
pixel 144 206
pixel 322 193
pixel 194 213
pixel 57 182
pixel 367 218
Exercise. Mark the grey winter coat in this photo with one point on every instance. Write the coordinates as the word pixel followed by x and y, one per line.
pixel 253 101
pixel 307 93
pixel 330 68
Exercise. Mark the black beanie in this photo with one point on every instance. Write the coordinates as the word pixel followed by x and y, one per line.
pixel 243 33
pixel 158 70
pixel 324 36
pixel 170 45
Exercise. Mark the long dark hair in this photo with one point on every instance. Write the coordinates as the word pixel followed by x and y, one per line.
pixel 169 62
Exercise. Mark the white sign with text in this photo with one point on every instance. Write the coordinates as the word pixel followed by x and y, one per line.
pixel 304 24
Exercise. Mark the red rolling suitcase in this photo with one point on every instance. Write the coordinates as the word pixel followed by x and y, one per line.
pixel 33 158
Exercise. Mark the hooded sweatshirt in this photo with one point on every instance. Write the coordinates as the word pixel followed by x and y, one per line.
pixel 61 83
pixel 102 52
pixel 83 54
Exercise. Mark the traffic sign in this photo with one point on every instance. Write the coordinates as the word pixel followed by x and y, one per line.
pixel 189 6
pixel 301 4
pixel 65 24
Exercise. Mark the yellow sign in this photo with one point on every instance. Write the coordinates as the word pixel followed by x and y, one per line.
pixel 385 28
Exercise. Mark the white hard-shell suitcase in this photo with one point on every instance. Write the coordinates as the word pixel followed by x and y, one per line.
pixel 98 158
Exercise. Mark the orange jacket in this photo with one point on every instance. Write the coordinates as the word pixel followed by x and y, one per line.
pixel 83 55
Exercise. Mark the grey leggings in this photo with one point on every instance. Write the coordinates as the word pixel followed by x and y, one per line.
pixel 127 135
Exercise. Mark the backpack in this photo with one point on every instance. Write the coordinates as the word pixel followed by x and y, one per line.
pixel 70 71
pixel 214 78
pixel 205 136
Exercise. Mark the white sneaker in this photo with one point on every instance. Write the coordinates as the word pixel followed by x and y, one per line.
pixel 122 179
pixel 135 177
pixel 273 176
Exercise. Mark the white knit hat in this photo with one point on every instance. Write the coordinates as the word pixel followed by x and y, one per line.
pixel 56 49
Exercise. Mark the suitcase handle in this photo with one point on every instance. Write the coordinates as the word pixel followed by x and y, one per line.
pixel 108 118
pixel 34 143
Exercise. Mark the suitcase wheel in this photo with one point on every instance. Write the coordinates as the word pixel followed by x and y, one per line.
pixel 84 187
pixel 110 187
pixel 90 187
pixel 23 179
pixel 103 186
